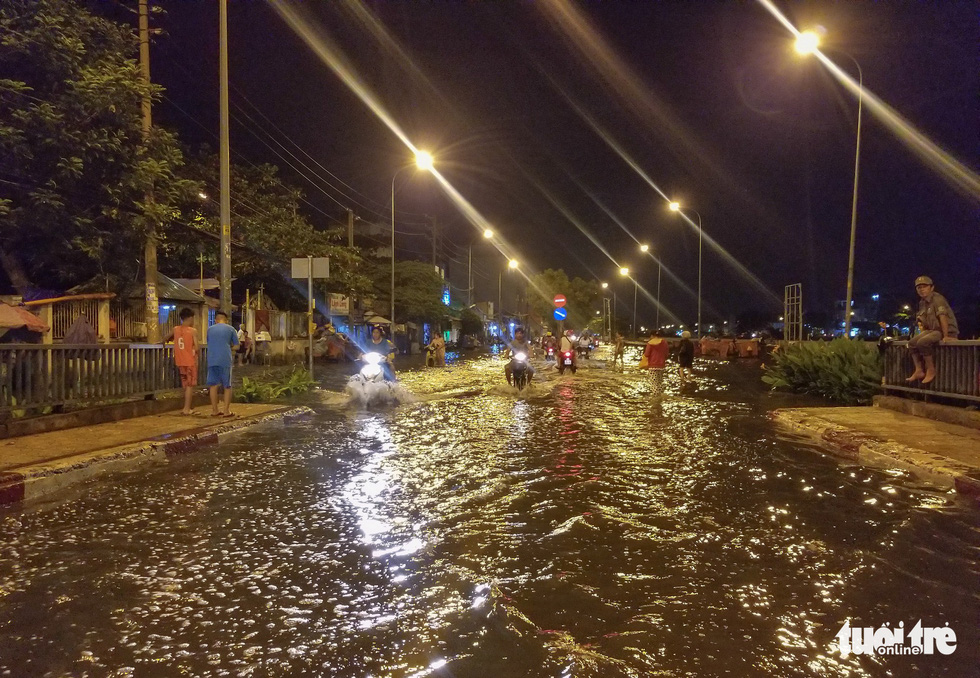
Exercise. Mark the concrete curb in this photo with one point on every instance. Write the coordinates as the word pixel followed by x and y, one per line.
pixel 31 482
pixel 874 451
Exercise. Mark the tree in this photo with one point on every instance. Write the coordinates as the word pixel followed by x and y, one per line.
pixel 74 166
pixel 581 297
pixel 418 290
pixel 268 226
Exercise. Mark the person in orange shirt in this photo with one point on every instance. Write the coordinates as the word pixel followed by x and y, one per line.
pixel 655 357
pixel 186 350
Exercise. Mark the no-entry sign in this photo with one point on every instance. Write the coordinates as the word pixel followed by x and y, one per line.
pixel 559 300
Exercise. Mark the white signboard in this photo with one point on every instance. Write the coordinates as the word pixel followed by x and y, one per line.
pixel 301 267
pixel 339 304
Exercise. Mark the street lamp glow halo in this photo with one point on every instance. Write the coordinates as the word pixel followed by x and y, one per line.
pixel 513 263
pixel 605 285
pixel 624 271
pixel 424 160
pixel 488 234
pixel 674 206
pixel 807 42
pixel 644 248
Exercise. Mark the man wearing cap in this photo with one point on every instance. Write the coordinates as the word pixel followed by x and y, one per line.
pixel 938 324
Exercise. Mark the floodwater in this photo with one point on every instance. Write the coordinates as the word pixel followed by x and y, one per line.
pixel 585 529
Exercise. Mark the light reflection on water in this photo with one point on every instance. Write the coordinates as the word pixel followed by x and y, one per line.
pixel 582 530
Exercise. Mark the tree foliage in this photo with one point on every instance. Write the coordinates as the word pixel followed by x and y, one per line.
pixel 418 290
pixel 75 168
pixel 267 223
pixel 582 297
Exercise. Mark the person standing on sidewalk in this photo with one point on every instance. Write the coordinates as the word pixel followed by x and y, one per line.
pixel 222 337
pixel 186 349
pixel 655 357
pixel 938 325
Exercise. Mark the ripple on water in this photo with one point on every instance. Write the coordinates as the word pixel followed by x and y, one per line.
pixel 590 531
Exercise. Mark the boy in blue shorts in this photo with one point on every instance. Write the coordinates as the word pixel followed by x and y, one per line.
pixel 222 337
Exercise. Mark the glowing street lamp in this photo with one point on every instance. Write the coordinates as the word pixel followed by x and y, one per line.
pixel 624 271
pixel 644 248
pixel 808 42
pixel 605 285
pixel 488 234
pixel 423 161
pixel 676 207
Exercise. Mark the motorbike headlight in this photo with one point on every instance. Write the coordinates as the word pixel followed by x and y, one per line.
pixel 370 370
pixel 372 358
pixel 520 357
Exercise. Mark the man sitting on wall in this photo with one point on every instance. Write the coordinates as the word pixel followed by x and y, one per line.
pixel 938 325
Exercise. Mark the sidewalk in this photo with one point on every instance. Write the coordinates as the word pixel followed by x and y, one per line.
pixel 943 454
pixel 37 465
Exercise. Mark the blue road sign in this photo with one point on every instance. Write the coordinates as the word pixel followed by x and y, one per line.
pixel 560 314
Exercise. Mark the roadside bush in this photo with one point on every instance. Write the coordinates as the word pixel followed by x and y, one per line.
pixel 842 370
pixel 272 387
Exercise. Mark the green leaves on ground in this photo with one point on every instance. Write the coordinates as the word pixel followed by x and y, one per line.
pixel 269 387
pixel 842 370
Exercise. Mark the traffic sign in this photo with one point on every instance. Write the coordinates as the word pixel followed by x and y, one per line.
pixel 559 300
pixel 560 314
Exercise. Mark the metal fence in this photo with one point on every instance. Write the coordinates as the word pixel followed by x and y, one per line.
pixel 957 371
pixel 36 377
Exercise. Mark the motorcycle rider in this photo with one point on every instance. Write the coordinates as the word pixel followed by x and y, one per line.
pixel 518 345
pixel 566 344
pixel 584 344
pixel 437 348
pixel 549 341
pixel 379 344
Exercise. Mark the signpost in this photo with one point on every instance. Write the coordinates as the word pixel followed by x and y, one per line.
pixel 560 311
pixel 559 300
pixel 560 314
pixel 310 267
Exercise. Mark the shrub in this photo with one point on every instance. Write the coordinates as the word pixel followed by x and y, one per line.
pixel 843 370
pixel 274 387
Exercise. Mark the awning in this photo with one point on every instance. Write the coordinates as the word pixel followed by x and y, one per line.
pixel 376 320
pixel 13 317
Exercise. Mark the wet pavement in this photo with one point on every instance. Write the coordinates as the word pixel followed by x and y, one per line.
pixel 582 529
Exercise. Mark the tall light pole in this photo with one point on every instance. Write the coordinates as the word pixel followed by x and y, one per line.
pixel 150 246
pixel 625 272
pixel 487 235
pixel 646 250
pixel 676 207
pixel 808 42
pixel 512 264
pixel 423 161
pixel 607 320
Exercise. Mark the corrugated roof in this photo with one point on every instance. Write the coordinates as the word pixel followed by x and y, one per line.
pixel 168 289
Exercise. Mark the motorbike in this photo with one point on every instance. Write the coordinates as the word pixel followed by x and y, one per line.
pixel 371 384
pixel 566 360
pixel 583 351
pixel 430 356
pixel 549 353
pixel 372 372
pixel 519 371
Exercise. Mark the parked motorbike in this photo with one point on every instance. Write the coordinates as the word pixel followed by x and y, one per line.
pixel 566 360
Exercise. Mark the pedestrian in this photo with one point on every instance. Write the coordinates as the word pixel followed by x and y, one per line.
pixel 186 350
pixel 732 351
pixel 619 349
pixel 655 359
pixel 938 325
pixel 221 339
pixel 685 358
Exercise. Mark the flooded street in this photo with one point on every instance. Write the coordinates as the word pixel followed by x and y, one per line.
pixel 586 529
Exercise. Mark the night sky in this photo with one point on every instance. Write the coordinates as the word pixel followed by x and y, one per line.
pixel 708 99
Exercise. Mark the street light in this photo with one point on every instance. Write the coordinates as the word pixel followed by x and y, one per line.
pixel 423 161
pixel 511 265
pixel 488 234
pixel 808 42
pixel 624 271
pixel 676 207
pixel 646 248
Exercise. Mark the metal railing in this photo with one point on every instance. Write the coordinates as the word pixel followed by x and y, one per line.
pixel 36 377
pixel 957 371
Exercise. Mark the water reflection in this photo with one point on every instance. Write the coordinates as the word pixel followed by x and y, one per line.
pixel 591 530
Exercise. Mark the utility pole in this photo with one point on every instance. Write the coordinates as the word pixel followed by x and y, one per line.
pixel 225 155
pixel 150 247
pixel 469 279
pixel 350 228
pixel 435 235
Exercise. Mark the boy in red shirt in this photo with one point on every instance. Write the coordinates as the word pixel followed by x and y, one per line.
pixel 186 349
